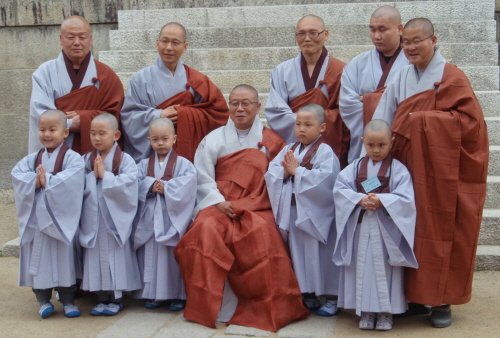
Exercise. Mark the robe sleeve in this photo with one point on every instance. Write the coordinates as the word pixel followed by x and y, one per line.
pixel 388 104
pixel 313 192
pixel 143 229
pixel 279 115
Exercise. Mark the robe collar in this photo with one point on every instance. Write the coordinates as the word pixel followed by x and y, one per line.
pixel 76 79
pixel 386 66
pixel 253 138
pixel 52 164
pixel 310 81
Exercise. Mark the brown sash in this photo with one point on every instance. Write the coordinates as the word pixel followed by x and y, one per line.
pixel 169 168
pixel 59 159
pixel 76 79
pixel 310 82
pixel 386 67
pixel 117 160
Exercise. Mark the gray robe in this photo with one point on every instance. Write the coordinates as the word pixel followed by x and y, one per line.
pixel 286 84
pixel 48 219
pixel 147 89
pixel 372 254
pixel 308 225
pixel 361 76
pixel 161 222
pixel 109 207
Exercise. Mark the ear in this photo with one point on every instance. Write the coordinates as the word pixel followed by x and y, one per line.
pixel 322 128
pixel 362 139
pixel 392 142
pixel 66 132
pixel 117 135
pixel 60 39
pixel 175 138
pixel 327 34
pixel 400 29
pixel 434 40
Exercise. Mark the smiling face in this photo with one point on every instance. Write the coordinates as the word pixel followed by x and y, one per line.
pixel 385 34
pixel 377 144
pixel 308 45
pixel 243 108
pixel 307 127
pixel 75 39
pixel 419 54
pixel 162 139
pixel 171 45
pixel 103 136
pixel 50 132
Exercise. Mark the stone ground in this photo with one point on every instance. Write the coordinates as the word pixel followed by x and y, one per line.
pixel 19 312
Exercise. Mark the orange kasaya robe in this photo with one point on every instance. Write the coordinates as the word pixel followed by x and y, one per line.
pixel 196 120
pixel 90 101
pixel 249 251
pixel 337 134
pixel 441 136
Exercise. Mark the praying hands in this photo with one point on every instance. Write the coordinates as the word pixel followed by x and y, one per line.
pixel 290 164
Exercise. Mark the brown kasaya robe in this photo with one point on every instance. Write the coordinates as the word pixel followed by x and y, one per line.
pixel 90 101
pixel 337 134
pixel 196 120
pixel 442 139
pixel 249 251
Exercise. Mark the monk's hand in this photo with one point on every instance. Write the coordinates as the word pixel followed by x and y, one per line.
pixel 170 113
pixel 71 114
pixel 366 203
pixel 226 208
pixel 291 163
pixel 41 172
pixel 375 201
pixel 37 177
pixel 99 167
pixel 361 98
pixel 160 187
pixel 286 174
pixel 75 124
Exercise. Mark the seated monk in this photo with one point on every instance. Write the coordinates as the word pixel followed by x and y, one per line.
pixel 234 236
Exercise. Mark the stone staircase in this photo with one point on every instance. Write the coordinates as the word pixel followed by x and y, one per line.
pixel 242 44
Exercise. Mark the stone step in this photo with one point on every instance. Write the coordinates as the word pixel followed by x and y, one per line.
pixel 494 163
pixel 490 102
pixel 341 13
pixel 490 227
pixel 237 37
pixel 492 193
pixel 488 258
pixel 462 55
pixel 493 124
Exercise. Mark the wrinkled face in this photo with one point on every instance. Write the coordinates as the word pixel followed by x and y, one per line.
pixel 162 139
pixel 171 45
pixel 307 128
pixel 377 144
pixel 103 136
pixel 385 34
pixel 418 46
pixel 307 44
pixel 51 133
pixel 243 108
pixel 75 39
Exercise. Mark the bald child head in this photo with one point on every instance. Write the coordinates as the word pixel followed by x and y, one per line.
pixel 162 123
pixel 316 110
pixel 162 136
pixel 59 115
pixel 107 118
pixel 378 125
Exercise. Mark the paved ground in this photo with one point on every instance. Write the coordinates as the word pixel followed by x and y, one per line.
pixel 19 318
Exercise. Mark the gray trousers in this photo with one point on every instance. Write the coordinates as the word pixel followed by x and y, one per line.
pixel 66 294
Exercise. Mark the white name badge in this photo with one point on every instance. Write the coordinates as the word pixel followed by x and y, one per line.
pixel 371 184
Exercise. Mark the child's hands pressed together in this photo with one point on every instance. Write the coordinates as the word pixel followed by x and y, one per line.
pixel 99 169
pixel 290 164
pixel 40 177
pixel 370 202
pixel 158 187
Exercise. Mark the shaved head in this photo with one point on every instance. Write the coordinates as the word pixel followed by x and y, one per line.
pixel 75 20
pixel 378 125
pixel 107 118
pixel 316 110
pixel 174 24
pixel 390 11
pixel 247 87
pixel 162 122
pixel 427 26
pixel 312 16
pixel 57 113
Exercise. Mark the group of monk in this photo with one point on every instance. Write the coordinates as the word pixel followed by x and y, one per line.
pixel 233 259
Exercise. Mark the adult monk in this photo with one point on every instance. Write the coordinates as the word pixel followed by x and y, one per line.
pixel 170 89
pixel 312 76
pixel 234 235
pixel 364 78
pixel 76 84
pixel 441 136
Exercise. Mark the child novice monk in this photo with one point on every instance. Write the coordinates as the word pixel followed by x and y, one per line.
pixel 167 194
pixel 375 216
pixel 48 189
pixel 109 207
pixel 300 181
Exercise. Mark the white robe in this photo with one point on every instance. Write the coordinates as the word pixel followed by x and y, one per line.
pixel 147 89
pixel 48 219
pixel 361 76
pixel 162 221
pixel 109 207
pixel 309 223
pixel 406 84
pixel 372 254
pixel 50 82
pixel 286 84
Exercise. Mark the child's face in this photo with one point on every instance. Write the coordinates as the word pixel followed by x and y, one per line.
pixel 307 128
pixel 51 133
pixel 162 139
pixel 103 136
pixel 377 144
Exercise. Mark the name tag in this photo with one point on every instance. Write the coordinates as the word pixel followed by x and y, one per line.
pixel 371 184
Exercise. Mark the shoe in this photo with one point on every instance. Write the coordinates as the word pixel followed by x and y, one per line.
pixel 46 309
pixel 312 304
pixel 177 305
pixel 384 322
pixel 71 311
pixel 112 309
pixel 329 309
pixel 154 304
pixel 367 321
pixel 414 309
pixel 441 316
pixel 98 309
